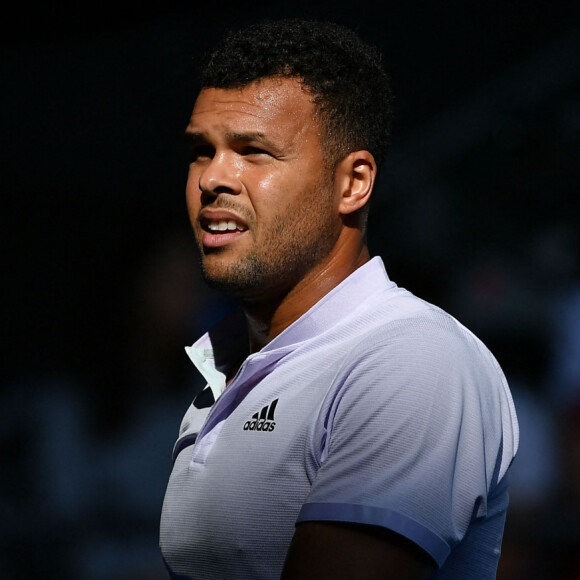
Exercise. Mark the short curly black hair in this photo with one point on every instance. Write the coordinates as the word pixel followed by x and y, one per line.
pixel 345 75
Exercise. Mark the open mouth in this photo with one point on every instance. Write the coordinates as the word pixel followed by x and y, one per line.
pixel 220 228
pixel 217 226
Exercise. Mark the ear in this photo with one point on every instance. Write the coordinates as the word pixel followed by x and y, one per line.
pixel 355 178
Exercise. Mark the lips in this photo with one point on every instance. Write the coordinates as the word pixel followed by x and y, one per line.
pixel 223 226
pixel 220 227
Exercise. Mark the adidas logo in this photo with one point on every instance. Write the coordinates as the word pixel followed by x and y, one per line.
pixel 264 420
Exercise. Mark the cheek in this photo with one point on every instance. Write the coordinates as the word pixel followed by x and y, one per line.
pixel 192 192
pixel 270 193
pixel 267 195
pixel 192 177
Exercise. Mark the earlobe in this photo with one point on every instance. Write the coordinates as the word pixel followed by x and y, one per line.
pixel 356 173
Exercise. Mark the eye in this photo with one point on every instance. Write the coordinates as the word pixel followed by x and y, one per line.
pixel 201 152
pixel 252 150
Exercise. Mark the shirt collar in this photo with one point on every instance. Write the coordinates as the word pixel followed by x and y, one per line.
pixel 215 351
pixel 226 342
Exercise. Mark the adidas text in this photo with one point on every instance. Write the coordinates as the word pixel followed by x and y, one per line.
pixel 259 425
pixel 263 420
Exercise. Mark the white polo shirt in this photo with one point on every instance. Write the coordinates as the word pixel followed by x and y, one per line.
pixel 374 407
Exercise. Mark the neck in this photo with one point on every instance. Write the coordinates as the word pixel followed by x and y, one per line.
pixel 267 318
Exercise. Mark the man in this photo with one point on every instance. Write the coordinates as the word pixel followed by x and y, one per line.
pixel 348 429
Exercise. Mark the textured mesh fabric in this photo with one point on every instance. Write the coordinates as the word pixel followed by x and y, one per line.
pixel 382 410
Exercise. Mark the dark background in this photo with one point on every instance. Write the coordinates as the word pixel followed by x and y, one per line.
pixel 477 211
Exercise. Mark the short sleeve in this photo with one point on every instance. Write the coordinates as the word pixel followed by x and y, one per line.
pixel 414 434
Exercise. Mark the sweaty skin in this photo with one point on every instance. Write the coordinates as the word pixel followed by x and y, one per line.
pixel 274 225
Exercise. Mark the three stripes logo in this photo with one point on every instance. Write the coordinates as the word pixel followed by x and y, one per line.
pixel 264 420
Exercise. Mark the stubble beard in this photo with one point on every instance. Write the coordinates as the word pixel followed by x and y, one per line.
pixel 293 248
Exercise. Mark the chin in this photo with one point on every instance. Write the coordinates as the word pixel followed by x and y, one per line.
pixel 242 278
pixel 229 286
pixel 224 278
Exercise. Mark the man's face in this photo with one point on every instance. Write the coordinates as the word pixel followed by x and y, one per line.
pixel 260 196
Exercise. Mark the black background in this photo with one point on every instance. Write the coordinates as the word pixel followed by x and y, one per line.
pixel 477 210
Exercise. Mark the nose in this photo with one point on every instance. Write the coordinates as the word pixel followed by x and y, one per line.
pixel 220 175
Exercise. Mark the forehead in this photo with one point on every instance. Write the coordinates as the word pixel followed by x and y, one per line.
pixel 278 105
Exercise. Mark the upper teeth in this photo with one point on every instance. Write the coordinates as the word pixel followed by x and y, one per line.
pixel 223 225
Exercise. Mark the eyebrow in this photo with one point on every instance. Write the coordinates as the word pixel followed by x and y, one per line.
pixel 192 137
pixel 247 137
pixel 233 137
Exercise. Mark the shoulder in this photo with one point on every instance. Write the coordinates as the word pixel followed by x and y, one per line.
pixel 426 375
pixel 403 332
pixel 423 362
